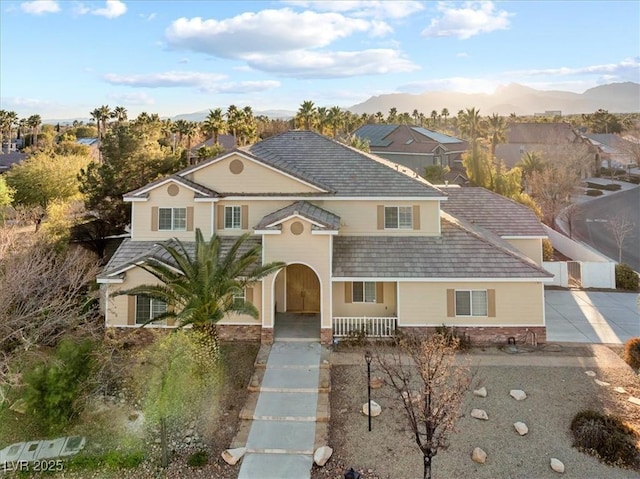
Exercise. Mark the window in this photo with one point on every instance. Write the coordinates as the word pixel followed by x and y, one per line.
pixel 437 160
pixel 364 292
pixel 147 308
pixel 240 298
pixel 232 217
pixel 398 217
pixel 172 219
pixel 471 303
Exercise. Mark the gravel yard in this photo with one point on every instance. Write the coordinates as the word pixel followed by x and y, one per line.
pixel 556 386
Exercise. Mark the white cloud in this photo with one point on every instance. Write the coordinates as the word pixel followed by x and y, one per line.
pixel 366 8
pixel 136 98
pixel 310 64
pixel 38 7
pixel 21 102
pixel 628 68
pixel 112 9
pixel 266 32
pixel 242 86
pixel 472 18
pixel 165 79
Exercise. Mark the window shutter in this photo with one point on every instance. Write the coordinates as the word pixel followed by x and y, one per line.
pixel 220 217
pixel 380 217
pixel 379 292
pixel 154 218
pixel 348 292
pixel 131 313
pixel 491 303
pixel 416 217
pixel 171 321
pixel 244 217
pixel 189 218
pixel 451 303
pixel 248 294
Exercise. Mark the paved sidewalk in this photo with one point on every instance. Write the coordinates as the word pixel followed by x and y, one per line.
pixel 282 435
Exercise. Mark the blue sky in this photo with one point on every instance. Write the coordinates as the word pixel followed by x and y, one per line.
pixel 61 59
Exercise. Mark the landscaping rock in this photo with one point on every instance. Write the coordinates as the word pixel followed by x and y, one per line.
pixel 232 456
pixel 482 392
pixel 322 455
pixel 479 414
pixel 634 400
pixel 557 465
pixel 518 394
pixel 620 390
pixel 590 373
pixel 479 456
pixel 601 383
pixel 376 410
pixel 521 428
pixel 376 382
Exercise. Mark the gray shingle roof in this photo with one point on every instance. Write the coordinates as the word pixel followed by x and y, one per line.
pixel 489 210
pixel 344 170
pixel 204 191
pixel 375 134
pixel 132 252
pixel 303 208
pixel 459 253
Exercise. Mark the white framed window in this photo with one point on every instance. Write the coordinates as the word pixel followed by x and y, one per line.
pixel 398 217
pixel 232 217
pixel 147 308
pixel 471 303
pixel 240 298
pixel 172 219
pixel 364 292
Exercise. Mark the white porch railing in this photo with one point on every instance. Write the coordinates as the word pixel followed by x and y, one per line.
pixel 375 327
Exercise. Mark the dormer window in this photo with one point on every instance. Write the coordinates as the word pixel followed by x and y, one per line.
pixel 172 219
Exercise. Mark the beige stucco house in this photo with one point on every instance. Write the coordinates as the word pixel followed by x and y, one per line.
pixel 366 244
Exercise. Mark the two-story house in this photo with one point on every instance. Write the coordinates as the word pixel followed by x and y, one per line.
pixel 365 242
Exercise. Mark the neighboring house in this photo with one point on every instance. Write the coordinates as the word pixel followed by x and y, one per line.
pixel 228 142
pixel 365 243
pixel 413 146
pixel 7 160
pixel 614 150
pixel 556 141
pixel 94 146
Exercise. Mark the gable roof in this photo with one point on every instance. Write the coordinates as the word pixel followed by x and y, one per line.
pixel 304 209
pixel 460 252
pixel 199 190
pixel 541 133
pixel 378 135
pixel 345 170
pixel 492 211
pixel 228 142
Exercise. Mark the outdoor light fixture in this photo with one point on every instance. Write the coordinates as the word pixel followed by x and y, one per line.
pixel 367 358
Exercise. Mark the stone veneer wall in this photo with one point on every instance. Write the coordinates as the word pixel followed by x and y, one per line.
pixel 492 336
pixel 239 332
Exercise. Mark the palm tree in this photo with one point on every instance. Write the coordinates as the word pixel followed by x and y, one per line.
pixel 434 118
pixel 357 142
pixel 4 120
pixel 445 114
pixel 335 119
pixel 470 124
pixel 214 124
pixel 307 113
pixel 322 119
pixel 379 117
pixel 120 114
pixel 234 120
pixel 34 122
pixel 104 113
pixel 200 283
pixel 496 132
pixel 416 116
pixel 531 162
pixel 393 113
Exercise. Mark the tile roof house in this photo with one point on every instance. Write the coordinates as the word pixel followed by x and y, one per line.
pixel 614 151
pixel 366 243
pixel 414 147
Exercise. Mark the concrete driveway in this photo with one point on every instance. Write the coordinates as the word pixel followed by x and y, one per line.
pixel 591 317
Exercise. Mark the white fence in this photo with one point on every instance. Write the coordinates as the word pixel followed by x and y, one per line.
pixel 597 271
pixel 376 327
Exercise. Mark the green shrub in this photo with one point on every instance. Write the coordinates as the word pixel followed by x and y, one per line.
pixel 605 437
pixel 632 353
pixel 594 193
pixel 198 459
pixel 547 250
pixel 626 277
pixel 53 390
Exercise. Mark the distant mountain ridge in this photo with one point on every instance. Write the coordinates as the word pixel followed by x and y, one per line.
pixel 513 98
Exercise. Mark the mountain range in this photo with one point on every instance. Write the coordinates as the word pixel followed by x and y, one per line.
pixel 513 98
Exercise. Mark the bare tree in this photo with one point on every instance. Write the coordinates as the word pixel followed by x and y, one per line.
pixel 424 375
pixel 570 213
pixel 620 226
pixel 552 189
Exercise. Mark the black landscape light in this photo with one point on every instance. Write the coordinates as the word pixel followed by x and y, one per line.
pixel 367 358
pixel 351 474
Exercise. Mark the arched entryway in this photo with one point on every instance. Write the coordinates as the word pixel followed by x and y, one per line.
pixel 298 303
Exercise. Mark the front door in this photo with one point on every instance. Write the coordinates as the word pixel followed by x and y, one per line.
pixel 303 289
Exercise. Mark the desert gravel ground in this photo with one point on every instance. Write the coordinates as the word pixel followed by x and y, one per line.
pixel 556 386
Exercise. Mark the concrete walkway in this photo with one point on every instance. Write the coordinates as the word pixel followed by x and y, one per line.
pixel 591 317
pixel 282 435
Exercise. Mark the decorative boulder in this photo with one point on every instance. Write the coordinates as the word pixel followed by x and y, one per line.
pixel 521 428
pixel 479 414
pixel 634 400
pixel 482 392
pixel 601 383
pixel 322 455
pixel 232 456
pixel 518 394
pixel 557 465
pixel 479 456
pixel 620 390
pixel 375 409
pixel 590 373
pixel 376 382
